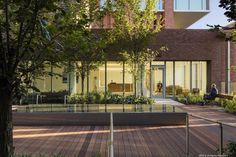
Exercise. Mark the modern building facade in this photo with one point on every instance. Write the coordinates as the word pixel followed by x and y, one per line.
pixel 195 59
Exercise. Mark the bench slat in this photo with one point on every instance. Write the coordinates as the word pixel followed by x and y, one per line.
pixel 230 97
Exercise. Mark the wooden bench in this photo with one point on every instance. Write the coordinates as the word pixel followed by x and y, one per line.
pixel 225 96
pixel 221 95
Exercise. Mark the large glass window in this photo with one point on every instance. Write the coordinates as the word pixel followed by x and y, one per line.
pixel 52 83
pixel 115 78
pixel 157 79
pixel 195 5
pixel 191 4
pixel 169 79
pixel 181 4
pixel 199 76
pixel 159 5
pixel 182 77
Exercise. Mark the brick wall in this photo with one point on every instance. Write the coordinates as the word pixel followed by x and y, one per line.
pixel 197 45
pixel 193 45
pixel 169 13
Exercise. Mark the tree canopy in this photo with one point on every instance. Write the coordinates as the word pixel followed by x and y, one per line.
pixel 83 46
pixel 230 7
pixel 30 33
pixel 227 32
pixel 135 23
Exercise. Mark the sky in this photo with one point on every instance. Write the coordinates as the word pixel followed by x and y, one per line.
pixel 216 16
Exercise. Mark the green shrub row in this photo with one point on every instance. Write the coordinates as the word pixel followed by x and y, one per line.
pixel 102 98
pixel 229 105
pixel 190 99
pixel 230 149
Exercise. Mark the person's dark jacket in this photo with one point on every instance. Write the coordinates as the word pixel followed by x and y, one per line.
pixel 214 92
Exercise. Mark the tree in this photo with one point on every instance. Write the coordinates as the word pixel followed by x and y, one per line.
pixel 28 40
pixel 82 43
pixel 85 47
pixel 135 23
pixel 230 7
pixel 227 32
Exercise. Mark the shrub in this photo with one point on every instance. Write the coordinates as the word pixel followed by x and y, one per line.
pixel 130 99
pixel 143 100
pixel 114 99
pixel 196 91
pixel 76 99
pixel 231 106
pixel 90 98
pixel 230 149
pixel 186 92
pixel 179 90
pixel 190 99
pixel 25 99
pixel 181 99
pixel 99 98
pixel 221 102
pixel 194 99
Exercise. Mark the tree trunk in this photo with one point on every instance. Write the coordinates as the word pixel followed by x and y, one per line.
pixel 6 127
pixel 87 81
pixel 135 79
pixel 82 84
pixel 141 79
pixel 82 80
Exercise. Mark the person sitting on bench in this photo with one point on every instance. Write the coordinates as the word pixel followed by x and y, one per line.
pixel 213 94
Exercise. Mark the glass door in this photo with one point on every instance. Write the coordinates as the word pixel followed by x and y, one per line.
pixel 158 81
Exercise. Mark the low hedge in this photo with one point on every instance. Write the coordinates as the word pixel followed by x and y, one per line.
pixel 102 98
pixel 229 105
pixel 190 99
pixel 230 149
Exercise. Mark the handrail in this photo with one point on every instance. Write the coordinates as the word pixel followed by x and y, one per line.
pixel 110 147
pixel 221 134
pixel 213 121
pixel 187 151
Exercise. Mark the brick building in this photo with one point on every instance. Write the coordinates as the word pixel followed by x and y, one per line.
pixel 195 59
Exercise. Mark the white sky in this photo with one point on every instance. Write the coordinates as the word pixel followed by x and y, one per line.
pixel 216 16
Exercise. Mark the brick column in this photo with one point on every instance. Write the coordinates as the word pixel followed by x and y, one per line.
pixel 169 13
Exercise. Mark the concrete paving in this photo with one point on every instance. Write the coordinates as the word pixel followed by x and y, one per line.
pixel 167 101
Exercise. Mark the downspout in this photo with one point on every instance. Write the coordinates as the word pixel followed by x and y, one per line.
pixel 228 68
